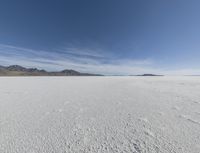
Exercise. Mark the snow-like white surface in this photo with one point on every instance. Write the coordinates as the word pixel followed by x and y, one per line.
pixel 99 114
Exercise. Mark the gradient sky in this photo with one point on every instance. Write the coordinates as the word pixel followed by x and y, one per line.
pixel 102 36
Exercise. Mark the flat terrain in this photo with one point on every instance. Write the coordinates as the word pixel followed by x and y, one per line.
pixel 100 114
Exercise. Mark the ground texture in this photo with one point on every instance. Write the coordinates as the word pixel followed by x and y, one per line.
pixel 99 115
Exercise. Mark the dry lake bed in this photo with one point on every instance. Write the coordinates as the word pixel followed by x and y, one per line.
pixel 100 114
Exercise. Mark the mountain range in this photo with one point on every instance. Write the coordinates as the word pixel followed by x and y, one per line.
pixel 17 70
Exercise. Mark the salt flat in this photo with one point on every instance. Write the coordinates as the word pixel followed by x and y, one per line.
pixel 99 114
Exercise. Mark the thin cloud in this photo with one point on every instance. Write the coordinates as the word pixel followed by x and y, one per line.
pixel 83 60
pixel 82 52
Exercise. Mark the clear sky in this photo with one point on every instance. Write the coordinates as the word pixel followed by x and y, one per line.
pixel 102 36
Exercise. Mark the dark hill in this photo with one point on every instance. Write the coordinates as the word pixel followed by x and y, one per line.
pixel 17 70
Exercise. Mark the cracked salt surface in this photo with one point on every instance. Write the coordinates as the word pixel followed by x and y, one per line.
pixel 99 114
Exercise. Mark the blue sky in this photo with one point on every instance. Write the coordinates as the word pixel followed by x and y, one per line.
pixel 102 36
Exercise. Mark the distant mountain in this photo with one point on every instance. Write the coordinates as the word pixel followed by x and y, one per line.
pixel 17 70
pixel 149 75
